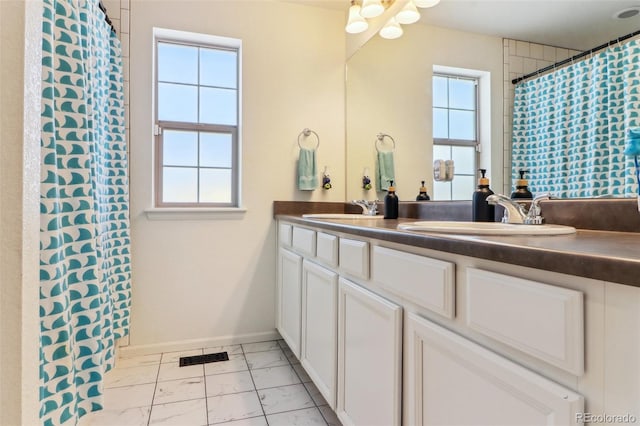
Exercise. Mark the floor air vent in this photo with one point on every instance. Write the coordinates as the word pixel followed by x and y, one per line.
pixel 186 361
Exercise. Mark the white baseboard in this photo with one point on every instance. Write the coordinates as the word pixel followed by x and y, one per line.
pixel 185 345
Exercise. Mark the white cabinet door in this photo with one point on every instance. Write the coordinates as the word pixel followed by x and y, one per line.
pixel 450 380
pixel 369 357
pixel 319 328
pixel 289 298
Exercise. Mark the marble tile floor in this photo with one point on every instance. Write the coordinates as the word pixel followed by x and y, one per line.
pixel 262 384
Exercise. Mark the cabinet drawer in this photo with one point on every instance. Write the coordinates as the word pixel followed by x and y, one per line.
pixel 304 240
pixel 327 248
pixel 354 257
pixel 284 234
pixel 539 319
pixel 427 282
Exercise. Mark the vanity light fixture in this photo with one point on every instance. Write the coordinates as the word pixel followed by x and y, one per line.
pixel 361 10
pixel 371 8
pixel 391 29
pixel 409 14
pixel 356 23
pixel 426 3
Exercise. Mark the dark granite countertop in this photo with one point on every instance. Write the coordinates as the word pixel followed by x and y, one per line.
pixel 601 255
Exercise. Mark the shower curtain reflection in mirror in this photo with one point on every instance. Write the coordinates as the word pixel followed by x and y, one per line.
pixel 569 125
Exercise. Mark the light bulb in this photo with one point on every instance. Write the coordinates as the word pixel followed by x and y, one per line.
pixel 371 8
pixel 426 3
pixel 391 29
pixel 356 23
pixel 409 14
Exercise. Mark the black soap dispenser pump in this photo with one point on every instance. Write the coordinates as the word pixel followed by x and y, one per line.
pixel 522 191
pixel 481 210
pixel 423 196
pixel 391 203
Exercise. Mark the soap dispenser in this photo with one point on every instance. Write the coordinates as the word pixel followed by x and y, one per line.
pixel 481 210
pixel 423 196
pixel 391 203
pixel 522 191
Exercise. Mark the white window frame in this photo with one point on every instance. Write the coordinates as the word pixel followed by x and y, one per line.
pixel 207 41
pixel 462 142
pixel 483 114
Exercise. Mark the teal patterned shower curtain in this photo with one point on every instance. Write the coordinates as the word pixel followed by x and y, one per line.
pixel 85 287
pixel 569 125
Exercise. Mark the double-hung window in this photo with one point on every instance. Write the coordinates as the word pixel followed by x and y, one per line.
pixel 197 120
pixel 455 133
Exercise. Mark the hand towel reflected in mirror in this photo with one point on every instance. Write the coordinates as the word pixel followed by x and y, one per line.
pixel 385 171
pixel 307 170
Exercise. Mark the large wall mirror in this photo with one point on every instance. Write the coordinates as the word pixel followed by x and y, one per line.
pixel 390 86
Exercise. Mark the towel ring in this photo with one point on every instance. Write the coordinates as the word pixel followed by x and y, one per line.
pixel 380 139
pixel 306 133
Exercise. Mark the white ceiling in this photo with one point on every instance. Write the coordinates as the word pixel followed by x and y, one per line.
pixel 576 24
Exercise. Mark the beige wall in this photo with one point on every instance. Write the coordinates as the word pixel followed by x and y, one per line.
pixel 20 58
pixel 198 280
pixel 389 91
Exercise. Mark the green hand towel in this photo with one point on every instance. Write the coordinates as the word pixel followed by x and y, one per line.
pixel 307 173
pixel 384 170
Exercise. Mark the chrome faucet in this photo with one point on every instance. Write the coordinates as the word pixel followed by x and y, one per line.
pixel 515 212
pixel 534 216
pixel 369 208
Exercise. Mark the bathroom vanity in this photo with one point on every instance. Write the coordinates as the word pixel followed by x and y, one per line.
pixel 397 327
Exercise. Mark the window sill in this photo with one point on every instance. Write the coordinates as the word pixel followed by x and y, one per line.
pixel 194 213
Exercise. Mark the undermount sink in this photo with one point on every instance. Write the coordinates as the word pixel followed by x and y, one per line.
pixel 486 228
pixel 339 216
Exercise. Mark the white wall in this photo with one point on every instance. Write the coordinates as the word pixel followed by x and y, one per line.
pixel 20 59
pixel 198 280
pixel 389 90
